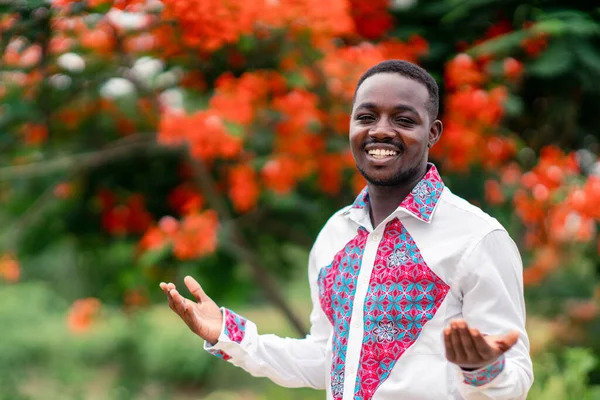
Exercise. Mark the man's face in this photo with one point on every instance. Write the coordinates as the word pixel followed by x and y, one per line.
pixel 390 129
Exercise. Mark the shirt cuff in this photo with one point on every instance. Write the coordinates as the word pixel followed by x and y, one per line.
pixel 233 330
pixel 484 375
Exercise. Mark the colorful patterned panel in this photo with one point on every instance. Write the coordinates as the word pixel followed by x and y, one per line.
pixel 337 287
pixel 404 294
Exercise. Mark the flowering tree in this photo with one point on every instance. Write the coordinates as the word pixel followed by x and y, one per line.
pixel 154 139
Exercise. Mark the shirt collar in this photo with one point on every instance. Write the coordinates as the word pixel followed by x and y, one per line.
pixel 421 202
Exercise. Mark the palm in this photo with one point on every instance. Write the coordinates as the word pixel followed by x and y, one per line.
pixel 202 316
pixel 469 349
pixel 497 344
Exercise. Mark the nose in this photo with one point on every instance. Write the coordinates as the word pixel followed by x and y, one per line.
pixel 382 130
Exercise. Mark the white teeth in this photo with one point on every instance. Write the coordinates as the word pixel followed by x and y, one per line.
pixel 381 153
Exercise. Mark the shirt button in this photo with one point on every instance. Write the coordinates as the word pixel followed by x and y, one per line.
pixel 356 325
pixel 375 237
pixel 351 370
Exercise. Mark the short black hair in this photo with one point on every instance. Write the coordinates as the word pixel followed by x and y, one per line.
pixel 410 71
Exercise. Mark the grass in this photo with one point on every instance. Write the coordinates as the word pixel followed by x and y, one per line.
pixel 153 355
pixel 150 356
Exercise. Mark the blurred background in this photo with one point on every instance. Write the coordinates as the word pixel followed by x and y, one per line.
pixel 141 141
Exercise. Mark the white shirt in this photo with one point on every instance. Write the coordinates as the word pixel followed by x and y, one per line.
pixel 382 297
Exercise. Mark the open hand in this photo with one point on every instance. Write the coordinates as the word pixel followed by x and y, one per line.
pixel 203 316
pixel 469 349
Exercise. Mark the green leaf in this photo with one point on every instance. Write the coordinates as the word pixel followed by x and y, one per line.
pixel 194 101
pixel 560 27
pixel 235 129
pixel 36 3
pixel 295 80
pixel 554 61
pixel 461 9
pixel 501 45
pixel 514 105
pixel 587 54
pixel 103 8
pixel 247 43
pixel 155 256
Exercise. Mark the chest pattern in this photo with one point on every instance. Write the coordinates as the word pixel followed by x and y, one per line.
pixel 403 295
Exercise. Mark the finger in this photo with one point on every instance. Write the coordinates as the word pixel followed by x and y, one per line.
pixel 191 317
pixel 483 347
pixel 170 287
pixel 165 289
pixel 512 338
pixel 461 355
pixel 508 341
pixel 467 342
pixel 450 353
pixel 195 289
pixel 172 303
pixel 179 302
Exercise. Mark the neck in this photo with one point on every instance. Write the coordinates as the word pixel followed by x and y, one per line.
pixel 384 200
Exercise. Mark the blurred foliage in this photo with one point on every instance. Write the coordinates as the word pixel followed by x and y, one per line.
pixel 119 359
pixel 138 145
pixel 147 356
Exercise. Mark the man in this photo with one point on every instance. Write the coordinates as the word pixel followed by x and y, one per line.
pixel 416 293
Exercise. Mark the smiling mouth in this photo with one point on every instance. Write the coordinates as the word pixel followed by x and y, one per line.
pixel 381 154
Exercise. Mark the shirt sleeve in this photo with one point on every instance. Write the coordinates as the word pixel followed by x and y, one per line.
pixel 491 283
pixel 287 362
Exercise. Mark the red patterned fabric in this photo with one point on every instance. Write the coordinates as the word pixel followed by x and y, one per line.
pixel 404 294
pixel 485 375
pixel 421 201
pixel 235 326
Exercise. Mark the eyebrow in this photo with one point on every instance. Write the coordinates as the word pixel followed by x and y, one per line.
pixel 399 107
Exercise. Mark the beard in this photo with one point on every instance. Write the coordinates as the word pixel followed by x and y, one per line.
pixel 397 179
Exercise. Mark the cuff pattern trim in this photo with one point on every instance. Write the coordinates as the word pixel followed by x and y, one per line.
pixel 220 353
pixel 235 326
pixel 485 375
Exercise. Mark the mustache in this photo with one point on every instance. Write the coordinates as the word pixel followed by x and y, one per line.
pixel 396 143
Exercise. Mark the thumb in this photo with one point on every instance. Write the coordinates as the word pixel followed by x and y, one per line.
pixel 195 289
pixel 507 341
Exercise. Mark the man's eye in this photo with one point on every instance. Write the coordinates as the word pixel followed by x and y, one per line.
pixel 404 120
pixel 365 118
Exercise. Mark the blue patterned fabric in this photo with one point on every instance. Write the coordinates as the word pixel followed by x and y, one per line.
pixel 485 375
pixel 403 295
pixel 337 288
pixel 421 201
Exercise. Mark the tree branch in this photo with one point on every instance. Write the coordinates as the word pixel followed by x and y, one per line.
pixel 74 164
pixel 119 149
pixel 240 247
pixel 11 237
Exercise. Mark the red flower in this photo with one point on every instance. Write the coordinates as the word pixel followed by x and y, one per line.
pixel 82 314
pixel 243 187
pixel 10 269
pixel 513 69
pixel 371 17
pixel 462 70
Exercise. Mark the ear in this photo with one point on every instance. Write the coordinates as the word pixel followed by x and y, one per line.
pixel 435 132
